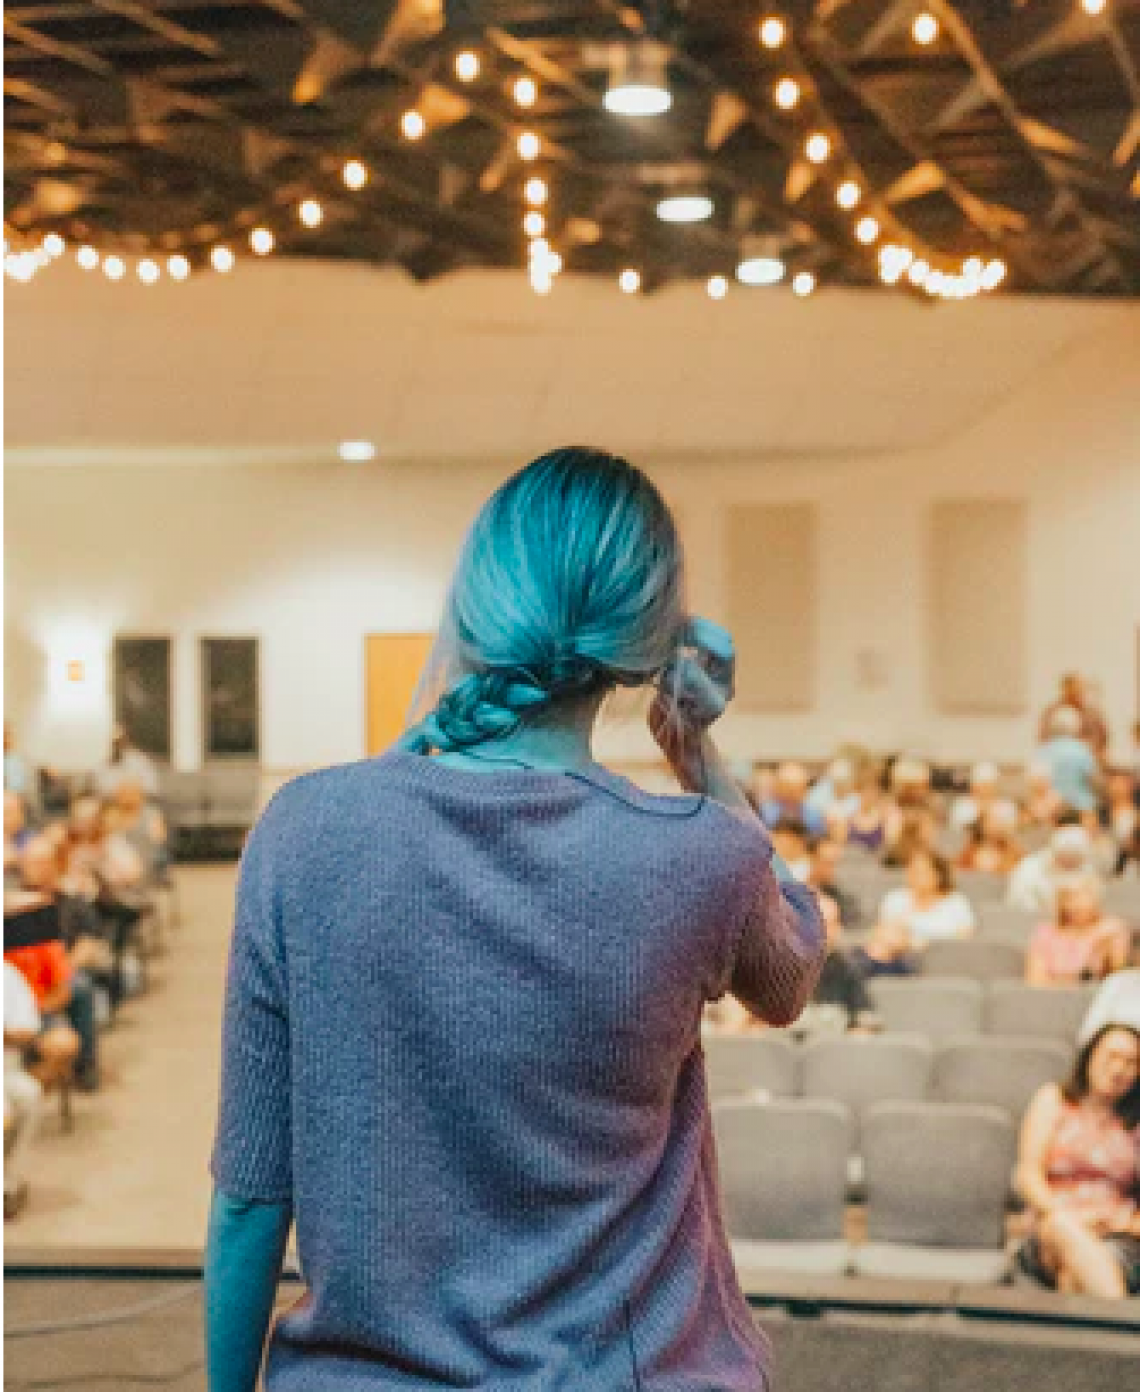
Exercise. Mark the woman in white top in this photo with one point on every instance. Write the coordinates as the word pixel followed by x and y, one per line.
pixel 928 906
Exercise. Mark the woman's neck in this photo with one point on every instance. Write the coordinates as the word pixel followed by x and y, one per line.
pixel 561 740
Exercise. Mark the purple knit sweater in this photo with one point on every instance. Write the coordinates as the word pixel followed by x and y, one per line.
pixel 462 1038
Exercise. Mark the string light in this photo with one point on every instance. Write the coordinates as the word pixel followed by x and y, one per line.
pixel 412 125
pixel 222 259
pixel 848 194
pixel 54 245
pixel 178 267
pixel 87 257
pixel 1094 7
pixel 803 283
pixel 262 241
pixel 786 93
pixel 867 230
pixel 817 147
pixel 994 274
pixel 924 30
pixel 529 145
pixel 467 66
pixel 113 267
pixel 311 213
pixel 355 175
pixel 536 192
pixel 773 32
pixel 717 287
pixel 525 91
pixel 534 224
pixel 630 282
pixel 918 271
pixel 148 271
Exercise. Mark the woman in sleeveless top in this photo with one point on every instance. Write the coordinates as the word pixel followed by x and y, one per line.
pixel 1078 1170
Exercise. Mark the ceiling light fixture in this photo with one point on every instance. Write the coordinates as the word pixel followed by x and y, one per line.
pixel 848 194
pixel 529 145
pixel 924 30
pixel 113 267
pixel 262 241
pixel 760 263
pixel 786 93
pixel 87 257
pixel 525 91
pixel 717 287
pixel 54 245
pixel 534 224
pixel 630 282
pixel 311 213
pixel 1094 7
pixel 222 259
pixel 685 207
pixel 355 175
pixel 803 283
pixel 412 125
pixel 177 266
pixel 638 83
pixel 536 192
pixel 148 271
pixel 356 451
pixel 867 230
pixel 773 32
pixel 467 65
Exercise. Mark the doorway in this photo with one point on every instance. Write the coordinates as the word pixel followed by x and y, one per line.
pixel 392 666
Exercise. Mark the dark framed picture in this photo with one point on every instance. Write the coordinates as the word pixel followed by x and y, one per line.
pixel 140 692
pixel 230 690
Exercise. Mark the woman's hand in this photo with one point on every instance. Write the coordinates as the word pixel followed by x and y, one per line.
pixel 694 691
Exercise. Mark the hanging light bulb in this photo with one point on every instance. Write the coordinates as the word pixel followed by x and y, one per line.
pixel 761 262
pixel 178 267
pixel 355 174
pixel 918 271
pixel 222 259
pixel 924 30
pixel 1094 7
pixel 536 192
pixel 525 91
pixel 54 245
pixel 638 84
pixel 114 268
pixel 148 271
pixel 866 230
pixel 786 93
pixel 311 213
pixel 685 207
pixel 848 194
pixel 262 241
pixel 412 125
pixel 467 65
pixel 534 224
pixel 529 146
pixel 717 287
pixel 803 283
pixel 817 147
pixel 87 257
pixel 994 274
pixel 630 281
pixel 773 32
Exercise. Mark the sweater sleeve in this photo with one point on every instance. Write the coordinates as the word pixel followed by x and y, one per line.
pixel 779 943
pixel 252 1153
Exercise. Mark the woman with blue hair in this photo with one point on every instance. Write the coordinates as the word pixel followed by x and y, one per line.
pixel 462 1024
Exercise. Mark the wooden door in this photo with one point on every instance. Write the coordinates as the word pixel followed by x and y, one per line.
pixel 392 664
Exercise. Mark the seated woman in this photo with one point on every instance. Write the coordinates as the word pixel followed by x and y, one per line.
pixel 1042 804
pixel 928 907
pixel 840 999
pixel 866 825
pixel 908 833
pixel 992 843
pixel 32 945
pixel 1079 1171
pixel 1083 944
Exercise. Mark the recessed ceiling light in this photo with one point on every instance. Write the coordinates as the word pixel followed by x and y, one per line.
pixel 356 451
pixel 685 207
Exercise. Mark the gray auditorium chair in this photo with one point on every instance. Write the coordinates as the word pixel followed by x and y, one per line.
pixel 938 1007
pixel 740 1065
pixel 1003 921
pixel 1052 1012
pixel 998 1071
pixel 860 1070
pixel 980 959
pixel 982 886
pixel 937 1177
pixel 1122 897
pixel 782 1167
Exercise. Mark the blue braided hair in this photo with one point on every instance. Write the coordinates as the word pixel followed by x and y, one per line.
pixel 570 583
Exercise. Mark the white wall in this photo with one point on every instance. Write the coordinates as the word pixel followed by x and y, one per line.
pixel 311 557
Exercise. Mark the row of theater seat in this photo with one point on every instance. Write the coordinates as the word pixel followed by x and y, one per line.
pixel 942 1007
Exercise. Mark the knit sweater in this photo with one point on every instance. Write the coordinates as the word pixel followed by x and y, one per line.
pixel 462 1039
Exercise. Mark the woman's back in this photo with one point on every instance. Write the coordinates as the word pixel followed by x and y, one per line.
pixel 469 1004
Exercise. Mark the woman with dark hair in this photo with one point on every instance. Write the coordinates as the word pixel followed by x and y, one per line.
pixel 928 907
pixel 466 982
pixel 1078 1170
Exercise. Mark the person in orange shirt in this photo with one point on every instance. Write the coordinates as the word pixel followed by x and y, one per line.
pixel 33 945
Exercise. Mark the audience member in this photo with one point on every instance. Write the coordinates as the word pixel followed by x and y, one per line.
pixel 1082 943
pixel 33 945
pixel 991 844
pixel 824 859
pixel 867 825
pixel 1042 804
pixel 911 784
pixel 1123 814
pixel 1033 885
pixel 1092 728
pixel 1117 1002
pixel 125 762
pixel 928 907
pixel 16 831
pixel 833 798
pixel 887 952
pixel 841 983
pixel 984 796
pixel 139 824
pixel 19 776
pixel 23 1094
pixel 910 832
pixel 787 801
pixel 791 841
pixel 1079 1171
pixel 1073 767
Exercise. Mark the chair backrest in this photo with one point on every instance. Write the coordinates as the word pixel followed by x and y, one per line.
pixel 737 1065
pixel 1122 897
pixel 860 1070
pixel 981 959
pixel 233 788
pixel 1005 922
pixel 937 1173
pixel 1052 1012
pixel 998 1071
pixel 982 886
pixel 937 1007
pixel 783 1168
